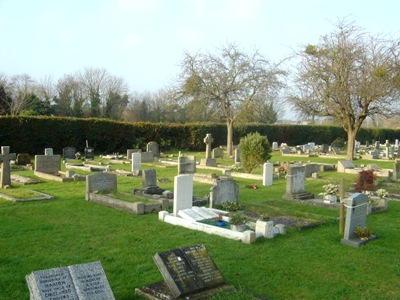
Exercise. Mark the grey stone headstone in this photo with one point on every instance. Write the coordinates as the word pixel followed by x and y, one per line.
pixel 48 151
pixel 309 169
pixel 147 156
pixel 295 179
pixel 49 164
pixel 188 270
pixel 344 164
pixel 149 178
pixel 217 153
pixel 237 156
pixel 154 148
pixel 356 214
pixel 23 159
pixel 208 140
pixel 268 173
pixel 136 158
pixel 396 170
pixel 130 151
pixel 275 146
pixel 377 145
pixel 77 282
pixel 224 190
pixel 5 160
pixel 186 164
pixel 69 152
pixel 100 182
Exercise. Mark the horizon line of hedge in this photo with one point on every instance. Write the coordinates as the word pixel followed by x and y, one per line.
pixel 33 134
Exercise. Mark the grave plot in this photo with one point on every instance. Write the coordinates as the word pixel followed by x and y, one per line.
pixel 206 219
pixel 101 188
pixel 27 195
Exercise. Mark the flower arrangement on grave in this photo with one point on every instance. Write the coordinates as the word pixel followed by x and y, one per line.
pixel 282 170
pixel 219 220
pixel 382 193
pixel 362 233
pixel 232 206
pixel 77 155
pixel 330 189
pixel 237 218
pixel 251 186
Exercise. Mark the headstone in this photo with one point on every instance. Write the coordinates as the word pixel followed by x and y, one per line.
pixel 69 153
pixel 89 153
pixel 149 182
pixel 208 161
pixel 343 165
pixel 186 164
pixel 268 173
pixel 5 172
pixel 183 192
pixel 136 162
pixel 325 148
pixel 100 182
pixel 224 190
pixel 356 216
pixel 188 272
pixel 285 150
pixel 295 178
pixel 310 169
pixel 396 170
pixel 153 148
pixel 387 146
pixel 217 153
pixel 49 164
pixel 367 144
pixel 48 151
pixel 335 150
pixel 130 151
pixel 373 154
pixel 237 156
pixel 78 282
pixel 396 143
pixel 23 159
pixel 275 146
pixel 377 145
pixel 147 156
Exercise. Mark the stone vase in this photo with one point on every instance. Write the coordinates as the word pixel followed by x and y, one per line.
pixel 240 227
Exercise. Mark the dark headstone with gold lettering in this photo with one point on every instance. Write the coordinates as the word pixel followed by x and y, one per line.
pixel 187 272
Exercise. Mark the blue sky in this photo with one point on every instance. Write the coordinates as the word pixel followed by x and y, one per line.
pixel 143 41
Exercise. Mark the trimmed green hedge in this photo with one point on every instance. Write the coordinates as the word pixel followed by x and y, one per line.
pixel 34 134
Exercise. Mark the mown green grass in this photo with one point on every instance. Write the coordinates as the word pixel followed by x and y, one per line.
pixel 307 264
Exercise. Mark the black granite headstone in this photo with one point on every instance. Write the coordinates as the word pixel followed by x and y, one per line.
pixel 69 152
pixel 188 270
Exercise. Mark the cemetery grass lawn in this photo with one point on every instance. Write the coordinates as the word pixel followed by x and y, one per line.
pixel 306 264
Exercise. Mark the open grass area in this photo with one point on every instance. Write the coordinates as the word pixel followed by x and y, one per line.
pixel 306 264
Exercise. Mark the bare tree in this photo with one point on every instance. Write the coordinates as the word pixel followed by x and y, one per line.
pixel 230 82
pixel 21 89
pixel 348 76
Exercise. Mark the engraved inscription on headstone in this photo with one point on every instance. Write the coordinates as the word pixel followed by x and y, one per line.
pixel 188 270
pixel 77 282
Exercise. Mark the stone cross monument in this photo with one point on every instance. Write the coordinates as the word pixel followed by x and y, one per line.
pixel 208 161
pixel 5 158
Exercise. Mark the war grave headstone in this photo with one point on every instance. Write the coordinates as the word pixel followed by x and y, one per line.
pixel 188 272
pixel 217 153
pixel 186 164
pixel 69 153
pixel 78 282
pixel 136 158
pixel 208 161
pixel 183 192
pixel 98 182
pixel 343 165
pixel 23 159
pixel 356 216
pixel 154 148
pixel 295 178
pixel 268 174
pixel 224 190
pixel 149 182
pixel 5 172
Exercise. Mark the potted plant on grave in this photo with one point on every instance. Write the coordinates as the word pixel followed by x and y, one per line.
pixel 219 221
pixel 237 221
pixel 330 193
pixel 362 233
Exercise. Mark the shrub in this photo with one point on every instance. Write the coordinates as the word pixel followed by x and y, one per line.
pixel 254 150
pixel 364 181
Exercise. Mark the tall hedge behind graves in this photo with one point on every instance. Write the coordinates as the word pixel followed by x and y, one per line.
pixel 33 134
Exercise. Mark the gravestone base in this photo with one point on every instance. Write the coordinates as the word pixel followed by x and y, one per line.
pixel 357 242
pixel 299 196
pixel 209 162
pixel 160 291
pixel 153 190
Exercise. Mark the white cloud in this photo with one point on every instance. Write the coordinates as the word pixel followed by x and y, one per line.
pixel 132 39
pixel 240 10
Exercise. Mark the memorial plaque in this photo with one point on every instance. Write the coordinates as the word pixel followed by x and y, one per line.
pixel 188 270
pixel 77 282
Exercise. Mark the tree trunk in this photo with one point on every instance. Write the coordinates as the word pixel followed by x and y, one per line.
pixel 351 138
pixel 229 138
